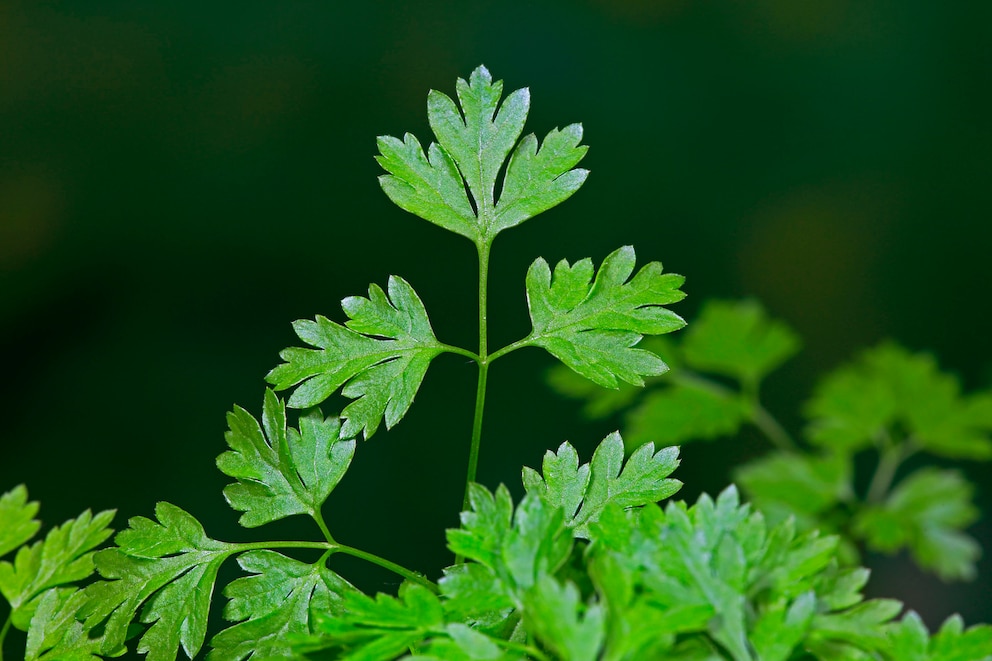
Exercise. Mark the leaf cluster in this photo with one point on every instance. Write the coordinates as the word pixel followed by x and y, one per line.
pixel 887 402
pixel 586 566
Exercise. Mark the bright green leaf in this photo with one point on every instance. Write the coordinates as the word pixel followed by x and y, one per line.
pixel 281 471
pixel 642 480
pixel 56 635
pixel 17 522
pixel 474 141
pixel 379 629
pixel 378 358
pixel 593 325
pixel 556 615
pixel 65 556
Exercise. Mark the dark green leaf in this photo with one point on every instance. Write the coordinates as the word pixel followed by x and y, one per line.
pixel 739 340
pixel 680 413
pixel 927 513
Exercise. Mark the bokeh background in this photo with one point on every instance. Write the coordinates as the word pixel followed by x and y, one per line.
pixel 180 180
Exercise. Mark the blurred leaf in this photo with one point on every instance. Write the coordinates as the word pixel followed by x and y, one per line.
pixel 739 340
pixel 800 485
pixel 684 412
pixel 887 388
pixel 926 512
pixel 593 326
pixel 554 612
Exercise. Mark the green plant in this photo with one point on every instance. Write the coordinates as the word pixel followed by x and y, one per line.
pixel 585 566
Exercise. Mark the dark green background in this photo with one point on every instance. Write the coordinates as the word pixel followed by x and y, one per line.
pixel 180 180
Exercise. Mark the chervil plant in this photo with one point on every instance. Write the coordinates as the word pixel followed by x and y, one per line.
pixel 585 566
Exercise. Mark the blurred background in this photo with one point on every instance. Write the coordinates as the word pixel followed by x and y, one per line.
pixel 179 181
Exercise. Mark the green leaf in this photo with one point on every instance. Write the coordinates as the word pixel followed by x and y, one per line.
pixel 927 513
pixel 643 480
pixel 955 643
pixel 475 141
pixel 379 629
pixel 739 340
pixel 281 471
pixel 554 612
pixel 802 486
pixel 380 357
pixel 481 135
pixel 65 556
pixel 593 326
pixel 273 603
pixel 781 628
pixel 518 545
pixel 681 413
pixel 539 179
pixel 17 522
pixel 888 390
pixel 56 635
pixel 464 644
pixel 861 627
pixel 168 566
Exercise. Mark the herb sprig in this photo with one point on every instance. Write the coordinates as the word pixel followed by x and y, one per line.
pixel 586 565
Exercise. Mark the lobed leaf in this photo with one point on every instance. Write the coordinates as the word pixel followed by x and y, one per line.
pixel 889 389
pixel 56 635
pixel 681 413
pixel 379 629
pixel 475 137
pixel 65 556
pixel 281 471
pixel 17 522
pixel 593 325
pixel 643 480
pixel 556 615
pixel 739 340
pixel 378 358
pixel 273 604
pixel 166 568
pixel 927 513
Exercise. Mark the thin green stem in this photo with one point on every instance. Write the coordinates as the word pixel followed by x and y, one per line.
pixel 480 392
pixel 519 344
pixel 319 518
pixel 3 632
pixel 408 574
pixel 334 547
pixel 530 650
pixel 461 352
pixel 254 546
pixel 891 457
pixel 760 416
